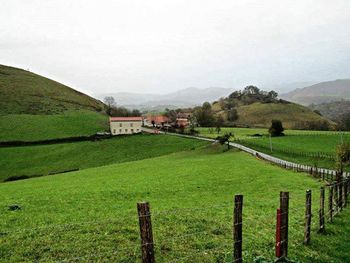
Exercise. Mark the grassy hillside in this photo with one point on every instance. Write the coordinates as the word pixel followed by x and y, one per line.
pixel 91 215
pixel 322 92
pixel 252 107
pixel 42 160
pixel 33 107
pixel 293 116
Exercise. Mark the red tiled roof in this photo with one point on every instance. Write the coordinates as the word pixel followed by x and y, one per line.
pixel 111 119
pixel 158 119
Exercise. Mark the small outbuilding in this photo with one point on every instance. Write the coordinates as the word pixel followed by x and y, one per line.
pixel 125 125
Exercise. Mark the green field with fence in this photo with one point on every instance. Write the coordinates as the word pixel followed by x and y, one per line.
pixel 91 215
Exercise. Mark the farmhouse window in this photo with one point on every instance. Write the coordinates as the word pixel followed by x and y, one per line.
pixel 120 130
pixel 120 124
pixel 131 124
pixel 126 130
pixel 132 130
pixel 114 131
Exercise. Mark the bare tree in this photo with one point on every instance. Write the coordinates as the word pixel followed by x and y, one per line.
pixel 110 102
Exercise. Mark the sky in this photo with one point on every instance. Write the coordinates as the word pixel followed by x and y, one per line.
pixel 160 46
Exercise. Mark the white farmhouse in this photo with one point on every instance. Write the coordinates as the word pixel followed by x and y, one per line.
pixel 125 125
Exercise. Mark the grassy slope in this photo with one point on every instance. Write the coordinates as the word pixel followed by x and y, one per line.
pixel 291 115
pixel 91 215
pixel 26 127
pixel 38 160
pixel 33 107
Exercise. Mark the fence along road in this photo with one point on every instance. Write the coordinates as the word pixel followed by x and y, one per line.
pixel 270 158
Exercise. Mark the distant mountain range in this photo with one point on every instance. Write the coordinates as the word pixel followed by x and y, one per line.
pixel 188 97
pixel 323 92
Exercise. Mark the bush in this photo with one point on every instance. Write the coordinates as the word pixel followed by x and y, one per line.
pixel 276 128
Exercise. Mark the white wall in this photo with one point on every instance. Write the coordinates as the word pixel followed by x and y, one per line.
pixel 125 127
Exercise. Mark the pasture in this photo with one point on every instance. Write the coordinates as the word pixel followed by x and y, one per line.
pixel 31 161
pixel 90 215
pixel 32 127
pixel 299 146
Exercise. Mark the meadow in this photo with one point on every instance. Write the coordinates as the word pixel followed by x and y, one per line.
pixel 31 161
pixel 90 215
pixel 27 127
pixel 299 146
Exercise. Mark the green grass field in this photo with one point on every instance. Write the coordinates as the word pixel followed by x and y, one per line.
pixel 91 215
pixel 25 127
pixel 37 108
pixel 291 146
pixel 42 160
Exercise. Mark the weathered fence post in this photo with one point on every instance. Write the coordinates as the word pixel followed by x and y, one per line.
pixel 237 229
pixel 330 203
pixel 346 193
pixel 284 209
pixel 335 198
pixel 340 189
pixel 321 212
pixel 278 234
pixel 146 232
pixel 307 230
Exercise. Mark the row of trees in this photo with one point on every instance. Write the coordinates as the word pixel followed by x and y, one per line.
pixel 114 111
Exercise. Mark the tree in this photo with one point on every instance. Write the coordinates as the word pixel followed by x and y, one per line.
pixel 204 115
pixel 232 115
pixel 225 139
pixel 219 122
pixel 110 103
pixel 276 128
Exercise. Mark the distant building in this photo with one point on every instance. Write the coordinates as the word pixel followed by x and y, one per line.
pixel 125 125
pixel 184 122
pixel 158 120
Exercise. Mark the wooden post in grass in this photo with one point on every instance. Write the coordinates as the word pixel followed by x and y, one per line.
pixel 237 229
pixel 340 189
pixel 146 232
pixel 346 193
pixel 330 203
pixel 307 229
pixel 335 198
pixel 284 207
pixel 278 234
pixel 321 212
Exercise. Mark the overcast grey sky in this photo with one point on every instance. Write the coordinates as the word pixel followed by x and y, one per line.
pixel 164 45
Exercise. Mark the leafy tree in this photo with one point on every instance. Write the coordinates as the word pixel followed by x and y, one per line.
pixel 204 115
pixel 276 128
pixel 225 139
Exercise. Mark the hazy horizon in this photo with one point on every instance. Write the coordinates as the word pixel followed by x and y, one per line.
pixel 164 46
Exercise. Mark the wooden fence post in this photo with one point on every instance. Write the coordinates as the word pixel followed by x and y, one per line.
pixel 146 232
pixel 278 234
pixel 346 193
pixel 330 203
pixel 340 187
pixel 237 229
pixel 307 229
pixel 284 209
pixel 335 198
pixel 321 212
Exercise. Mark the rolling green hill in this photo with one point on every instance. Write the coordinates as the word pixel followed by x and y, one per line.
pixel 293 116
pixel 33 107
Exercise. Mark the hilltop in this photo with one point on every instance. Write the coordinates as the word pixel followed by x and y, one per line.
pixel 33 107
pixel 320 93
pixel 252 107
